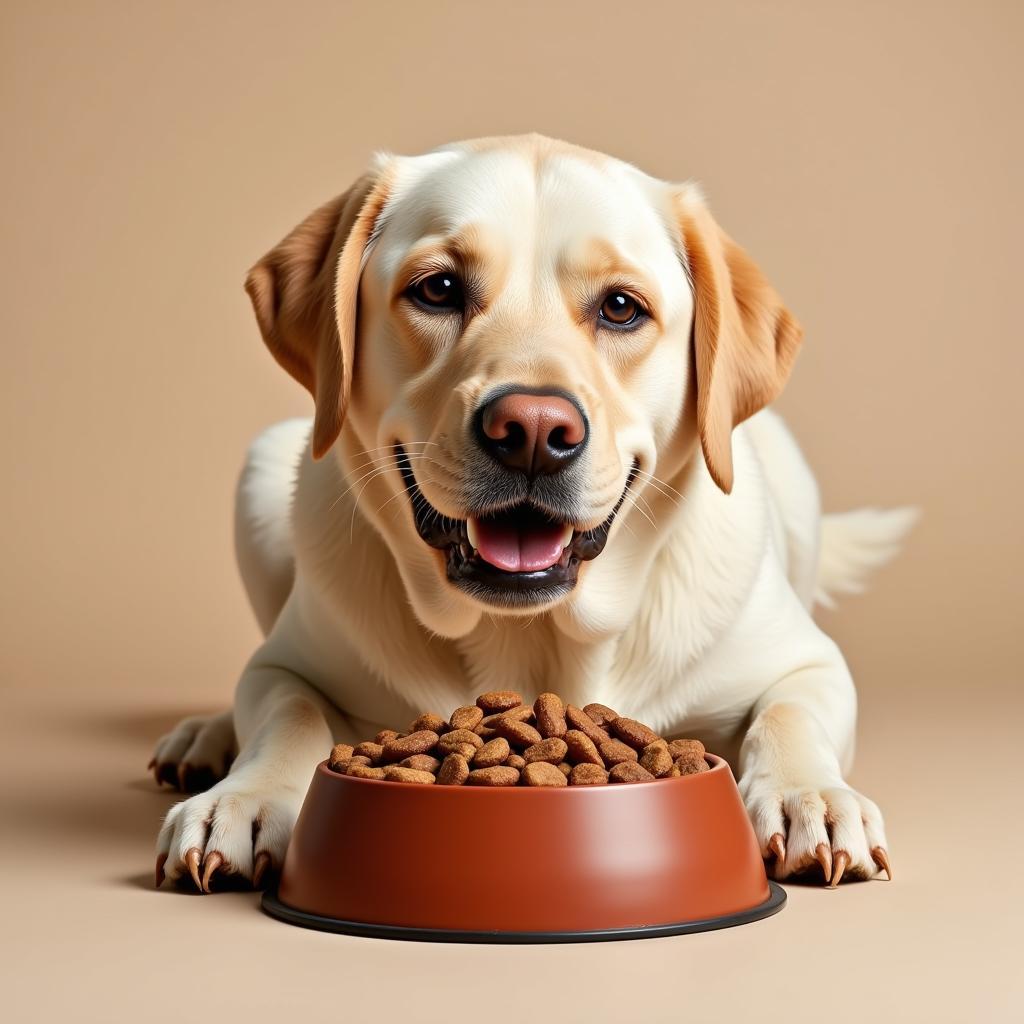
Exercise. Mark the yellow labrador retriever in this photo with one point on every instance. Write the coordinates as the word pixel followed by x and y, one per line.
pixel 537 461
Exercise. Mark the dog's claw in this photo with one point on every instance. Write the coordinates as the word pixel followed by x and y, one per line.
pixel 182 773
pixel 823 853
pixel 213 861
pixel 260 868
pixel 881 858
pixel 842 862
pixel 777 845
pixel 151 765
pixel 192 863
pixel 160 861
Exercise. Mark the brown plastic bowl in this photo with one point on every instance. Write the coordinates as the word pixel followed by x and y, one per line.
pixel 475 864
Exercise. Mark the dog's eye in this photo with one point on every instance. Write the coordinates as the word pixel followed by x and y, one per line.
pixel 439 291
pixel 620 309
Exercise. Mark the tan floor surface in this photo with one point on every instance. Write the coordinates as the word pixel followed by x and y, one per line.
pixel 89 939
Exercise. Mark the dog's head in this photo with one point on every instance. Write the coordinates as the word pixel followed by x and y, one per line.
pixel 512 337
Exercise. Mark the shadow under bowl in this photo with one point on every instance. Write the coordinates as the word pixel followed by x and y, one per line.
pixel 523 864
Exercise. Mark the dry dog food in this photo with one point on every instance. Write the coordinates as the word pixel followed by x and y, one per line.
pixel 500 741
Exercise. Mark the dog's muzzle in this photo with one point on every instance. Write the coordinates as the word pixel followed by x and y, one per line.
pixel 514 556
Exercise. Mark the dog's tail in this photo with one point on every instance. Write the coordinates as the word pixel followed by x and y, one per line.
pixel 854 544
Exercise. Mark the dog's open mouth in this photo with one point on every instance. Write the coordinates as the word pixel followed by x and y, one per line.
pixel 517 555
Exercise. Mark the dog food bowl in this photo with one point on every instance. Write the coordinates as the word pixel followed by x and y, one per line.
pixel 523 864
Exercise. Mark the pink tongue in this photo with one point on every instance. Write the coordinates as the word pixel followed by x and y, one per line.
pixel 514 550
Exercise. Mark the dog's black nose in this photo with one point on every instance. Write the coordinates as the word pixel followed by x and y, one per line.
pixel 532 433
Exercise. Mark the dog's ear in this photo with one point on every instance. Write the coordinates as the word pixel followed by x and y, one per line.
pixel 305 295
pixel 745 340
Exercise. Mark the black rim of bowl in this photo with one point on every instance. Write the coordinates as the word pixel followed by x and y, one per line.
pixel 304 919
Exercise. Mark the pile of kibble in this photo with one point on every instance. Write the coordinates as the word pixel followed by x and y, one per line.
pixel 500 741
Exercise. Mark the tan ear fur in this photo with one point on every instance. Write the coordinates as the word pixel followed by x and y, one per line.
pixel 304 293
pixel 745 340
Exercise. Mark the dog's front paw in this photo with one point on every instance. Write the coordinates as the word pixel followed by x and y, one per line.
pixel 234 829
pixel 805 828
pixel 196 753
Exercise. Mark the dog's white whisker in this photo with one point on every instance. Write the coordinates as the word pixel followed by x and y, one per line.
pixel 387 452
pixel 382 458
pixel 659 484
pixel 393 447
pixel 657 490
pixel 355 502
pixel 385 504
pixel 638 497
pixel 372 475
pixel 368 474
pixel 632 499
pixel 416 497
pixel 366 479
pixel 667 496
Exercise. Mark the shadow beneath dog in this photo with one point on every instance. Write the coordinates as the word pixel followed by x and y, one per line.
pixel 89 789
pixel 139 725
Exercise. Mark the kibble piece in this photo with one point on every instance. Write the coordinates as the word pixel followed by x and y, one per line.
pixel 542 773
pixel 457 741
pixel 429 722
pixel 549 712
pixel 340 753
pixel 384 735
pixel 679 747
pixel 373 751
pixel 588 775
pixel 656 759
pixel 552 750
pixel 635 733
pixel 493 752
pixel 585 724
pixel 499 700
pixel 421 762
pixel 515 761
pixel 521 734
pixel 453 771
pixel 484 732
pixel 342 766
pixel 363 771
pixel 615 752
pixel 499 775
pixel 422 742
pixel 691 764
pixel 629 771
pixel 582 749
pixel 564 767
pixel 466 750
pixel 396 773
pixel 601 714
pixel 521 713
pixel 467 717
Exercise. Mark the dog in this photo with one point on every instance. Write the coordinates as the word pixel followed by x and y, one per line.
pixel 540 458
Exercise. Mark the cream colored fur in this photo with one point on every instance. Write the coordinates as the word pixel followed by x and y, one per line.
pixel 696 618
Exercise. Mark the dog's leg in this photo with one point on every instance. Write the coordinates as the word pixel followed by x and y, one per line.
pixel 241 826
pixel 196 753
pixel 791 776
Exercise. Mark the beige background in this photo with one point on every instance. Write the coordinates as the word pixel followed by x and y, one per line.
pixel 868 154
